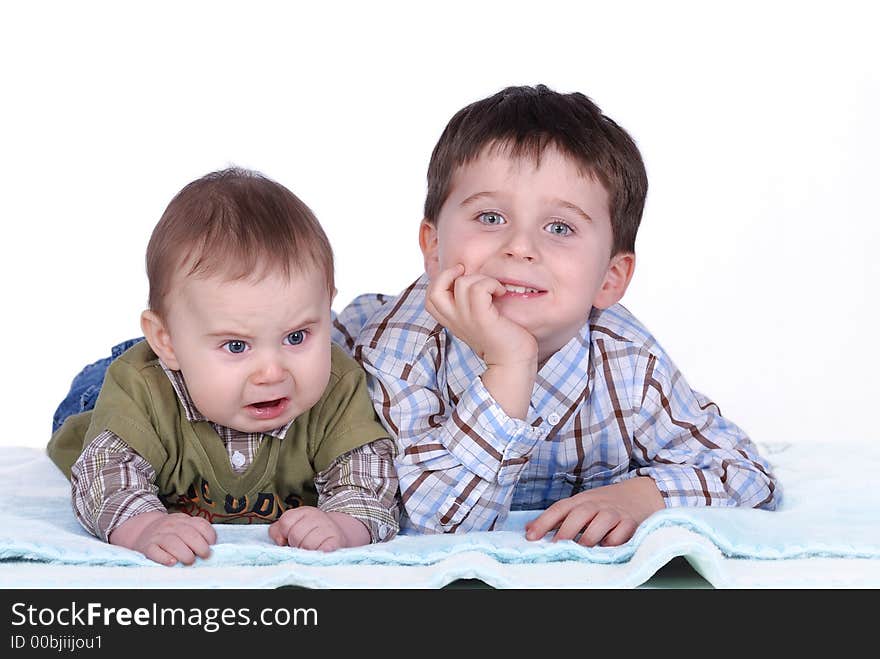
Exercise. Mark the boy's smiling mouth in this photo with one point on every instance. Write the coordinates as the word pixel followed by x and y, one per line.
pixel 520 289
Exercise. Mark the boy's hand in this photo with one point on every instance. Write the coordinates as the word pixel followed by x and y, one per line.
pixel 166 538
pixel 607 516
pixel 312 528
pixel 464 304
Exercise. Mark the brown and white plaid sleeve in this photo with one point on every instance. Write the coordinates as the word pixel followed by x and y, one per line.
pixel 110 484
pixel 363 483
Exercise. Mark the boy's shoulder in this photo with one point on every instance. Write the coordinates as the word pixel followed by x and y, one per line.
pixel 398 326
pixel 617 324
pixel 341 365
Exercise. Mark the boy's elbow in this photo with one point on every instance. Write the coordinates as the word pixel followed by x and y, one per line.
pixel 769 497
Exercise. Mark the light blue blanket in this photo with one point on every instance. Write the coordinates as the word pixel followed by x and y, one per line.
pixel 827 534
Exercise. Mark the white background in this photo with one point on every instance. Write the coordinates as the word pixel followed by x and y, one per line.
pixel 758 122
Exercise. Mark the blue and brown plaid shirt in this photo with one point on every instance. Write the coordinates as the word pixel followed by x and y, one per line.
pixel 609 405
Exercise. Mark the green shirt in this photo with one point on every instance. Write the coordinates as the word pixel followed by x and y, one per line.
pixel 138 403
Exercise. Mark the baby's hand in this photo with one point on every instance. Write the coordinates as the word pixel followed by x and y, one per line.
pixel 464 304
pixel 606 516
pixel 312 528
pixel 166 538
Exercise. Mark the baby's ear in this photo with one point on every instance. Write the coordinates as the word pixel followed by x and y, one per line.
pixel 157 335
pixel 428 241
pixel 617 277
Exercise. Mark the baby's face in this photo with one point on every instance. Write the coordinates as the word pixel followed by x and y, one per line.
pixel 544 232
pixel 254 354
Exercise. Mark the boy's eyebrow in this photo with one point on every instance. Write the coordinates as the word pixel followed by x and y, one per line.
pixel 573 207
pixel 476 197
pixel 557 202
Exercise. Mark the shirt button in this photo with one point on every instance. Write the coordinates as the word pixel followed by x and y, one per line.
pixel 384 530
pixel 237 459
pixel 553 419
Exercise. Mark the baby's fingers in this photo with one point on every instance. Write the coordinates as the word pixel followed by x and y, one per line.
pixel 159 555
pixel 174 546
pixel 321 538
pixel 197 543
pixel 204 528
pixel 280 530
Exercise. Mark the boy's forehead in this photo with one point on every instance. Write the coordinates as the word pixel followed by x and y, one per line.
pixel 498 163
pixel 505 159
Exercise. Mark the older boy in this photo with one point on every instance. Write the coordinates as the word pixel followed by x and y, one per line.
pixel 236 408
pixel 509 374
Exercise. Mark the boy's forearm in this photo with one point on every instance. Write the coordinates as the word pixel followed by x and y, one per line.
pixel 511 387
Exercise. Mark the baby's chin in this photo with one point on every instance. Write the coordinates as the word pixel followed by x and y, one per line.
pixel 251 426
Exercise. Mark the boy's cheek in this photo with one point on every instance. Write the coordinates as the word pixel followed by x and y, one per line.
pixel 432 268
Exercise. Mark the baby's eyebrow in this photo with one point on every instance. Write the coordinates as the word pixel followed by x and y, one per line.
pixel 225 335
pixel 302 323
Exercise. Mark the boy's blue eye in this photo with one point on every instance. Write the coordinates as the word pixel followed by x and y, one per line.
pixel 492 219
pixel 295 338
pixel 236 347
pixel 559 228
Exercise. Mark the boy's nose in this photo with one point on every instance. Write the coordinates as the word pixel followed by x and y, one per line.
pixel 520 245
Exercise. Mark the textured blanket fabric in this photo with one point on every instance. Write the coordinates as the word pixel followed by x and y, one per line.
pixel 826 534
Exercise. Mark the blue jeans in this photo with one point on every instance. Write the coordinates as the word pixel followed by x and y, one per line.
pixel 86 385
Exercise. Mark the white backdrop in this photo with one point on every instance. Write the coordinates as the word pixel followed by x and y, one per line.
pixel 757 258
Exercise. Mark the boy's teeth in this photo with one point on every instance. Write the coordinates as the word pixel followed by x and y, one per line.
pixel 519 289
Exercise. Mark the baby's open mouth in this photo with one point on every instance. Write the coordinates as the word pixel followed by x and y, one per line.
pixel 268 403
pixel 268 409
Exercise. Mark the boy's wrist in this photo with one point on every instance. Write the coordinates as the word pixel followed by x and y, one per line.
pixel 511 386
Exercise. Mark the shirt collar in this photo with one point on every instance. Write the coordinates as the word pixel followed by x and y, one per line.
pixel 192 413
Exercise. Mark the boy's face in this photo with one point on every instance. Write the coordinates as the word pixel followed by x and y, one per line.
pixel 544 232
pixel 254 354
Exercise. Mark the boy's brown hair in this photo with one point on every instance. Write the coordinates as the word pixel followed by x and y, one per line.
pixel 238 223
pixel 525 121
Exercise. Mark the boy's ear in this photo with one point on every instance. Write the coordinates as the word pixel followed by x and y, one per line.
pixel 157 335
pixel 430 251
pixel 617 278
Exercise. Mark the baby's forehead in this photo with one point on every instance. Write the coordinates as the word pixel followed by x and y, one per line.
pixel 232 272
pixel 195 278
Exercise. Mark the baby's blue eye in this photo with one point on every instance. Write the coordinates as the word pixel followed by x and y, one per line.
pixel 492 219
pixel 295 338
pixel 236 347
pixel 559 228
